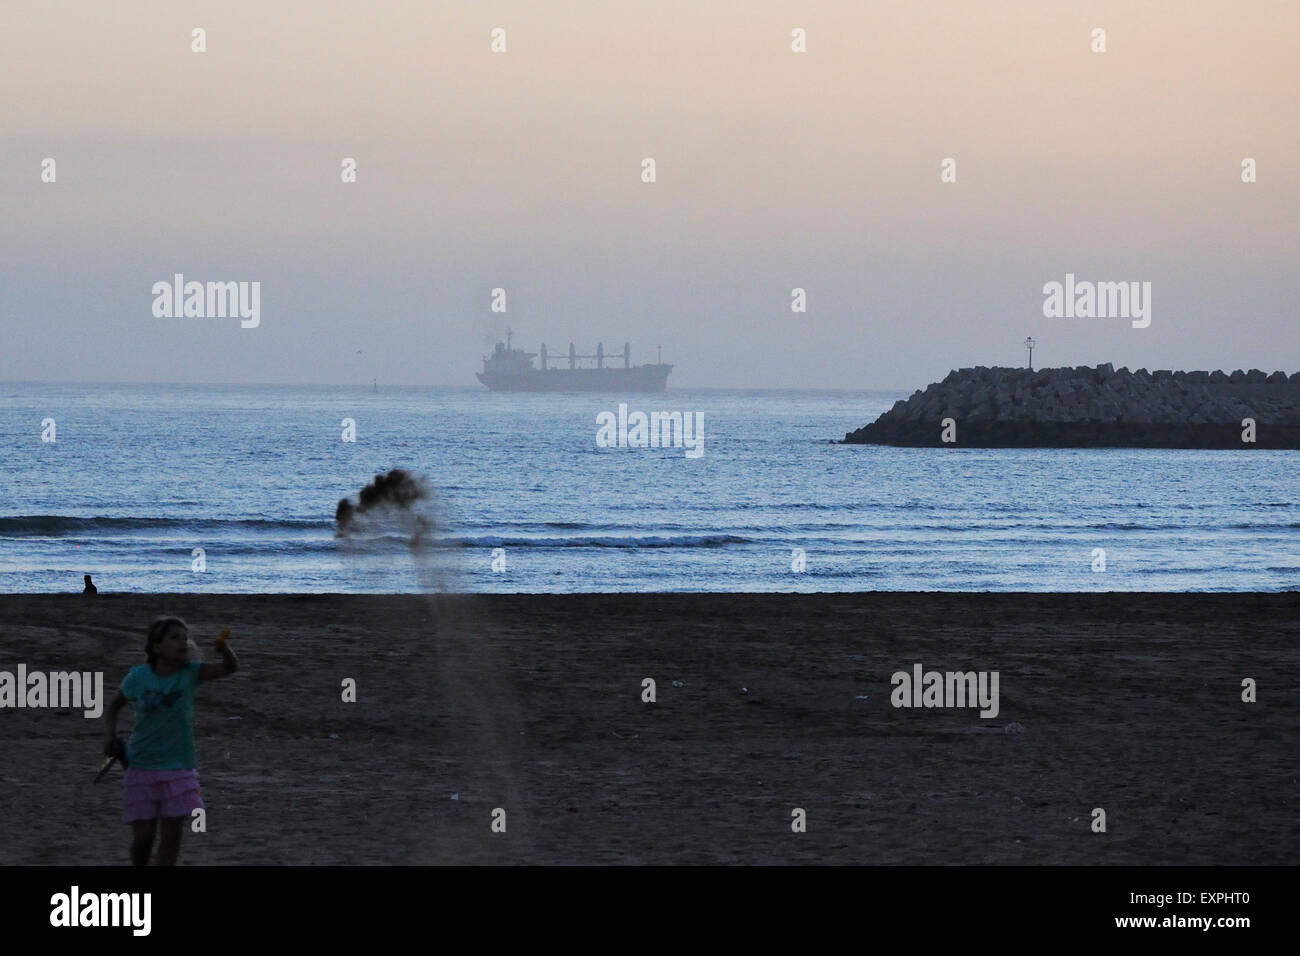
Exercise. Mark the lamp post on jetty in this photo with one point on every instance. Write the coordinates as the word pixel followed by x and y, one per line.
pixel 1029 344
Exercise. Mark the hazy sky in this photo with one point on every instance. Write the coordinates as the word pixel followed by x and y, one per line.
pixel 522 170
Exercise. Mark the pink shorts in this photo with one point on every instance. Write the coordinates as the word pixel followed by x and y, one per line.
pixel 148 794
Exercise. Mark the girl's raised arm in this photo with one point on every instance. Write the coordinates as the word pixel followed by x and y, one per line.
pixel 229 663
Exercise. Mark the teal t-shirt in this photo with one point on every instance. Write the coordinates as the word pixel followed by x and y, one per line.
pixel 163 738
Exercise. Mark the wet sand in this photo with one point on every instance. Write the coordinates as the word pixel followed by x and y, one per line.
pixel 533 704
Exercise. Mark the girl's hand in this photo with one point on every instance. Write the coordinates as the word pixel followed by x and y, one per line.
pixel 229 663
pixel 110 746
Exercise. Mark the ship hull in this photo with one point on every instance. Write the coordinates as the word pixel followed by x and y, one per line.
pixel 643 378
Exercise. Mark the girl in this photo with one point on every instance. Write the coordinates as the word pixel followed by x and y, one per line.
pixel 162 778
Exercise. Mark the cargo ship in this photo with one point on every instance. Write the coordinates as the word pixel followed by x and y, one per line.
pixel 510 369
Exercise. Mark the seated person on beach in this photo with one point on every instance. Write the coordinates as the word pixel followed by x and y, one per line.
pixel 89 588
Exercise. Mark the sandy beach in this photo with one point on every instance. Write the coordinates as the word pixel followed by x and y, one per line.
pixel 765 703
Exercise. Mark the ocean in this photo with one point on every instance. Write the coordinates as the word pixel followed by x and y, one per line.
pixel 138 478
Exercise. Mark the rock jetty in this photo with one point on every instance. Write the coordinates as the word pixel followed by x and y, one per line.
pixel 1094 408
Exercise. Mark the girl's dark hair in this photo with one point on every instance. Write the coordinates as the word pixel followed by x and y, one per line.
pixel 156 631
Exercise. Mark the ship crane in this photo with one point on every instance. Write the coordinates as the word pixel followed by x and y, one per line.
pixel 598 355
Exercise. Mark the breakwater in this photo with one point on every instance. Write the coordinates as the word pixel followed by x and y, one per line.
pixel 1085 407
